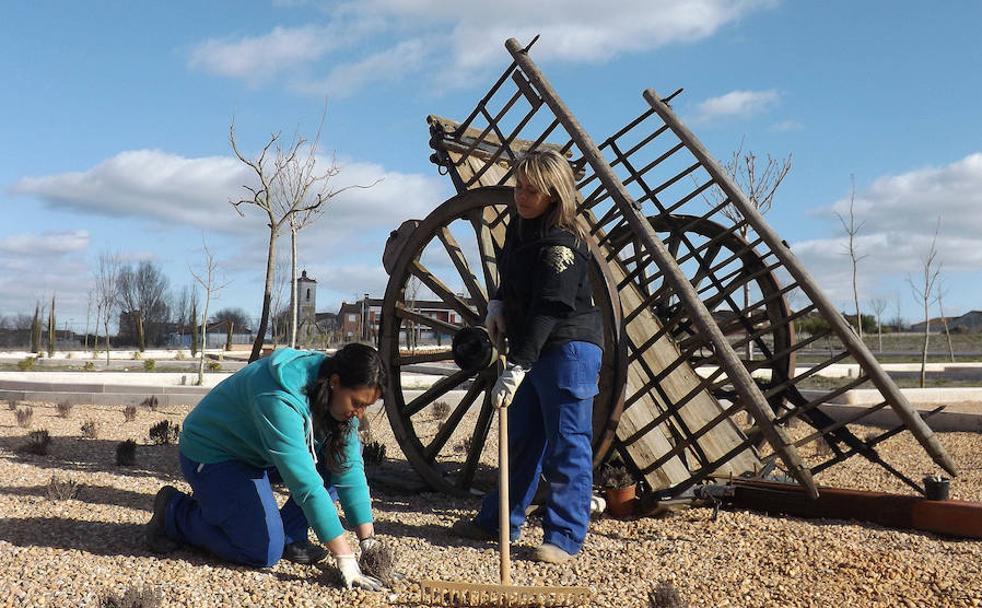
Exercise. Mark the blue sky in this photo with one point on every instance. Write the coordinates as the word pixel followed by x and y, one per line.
pixel 116 115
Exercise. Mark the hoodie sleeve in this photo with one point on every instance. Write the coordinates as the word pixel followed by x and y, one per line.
pixel 283 436
pixel 351 483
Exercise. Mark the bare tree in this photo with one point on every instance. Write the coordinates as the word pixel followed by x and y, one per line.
pixel 207 279
pixel 52 331
pixel 852 229
pixel 878 305
pixel 925 294
pixel 290 185
pixel 107 288
pixel 898 321
pixel 944 319
pixel 760 184
pixel 279 307
pixel 143 290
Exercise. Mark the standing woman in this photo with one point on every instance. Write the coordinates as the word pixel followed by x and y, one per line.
pixel 544 306
pixel 291 417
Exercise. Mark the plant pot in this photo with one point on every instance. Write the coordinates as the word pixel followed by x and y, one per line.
pixel 936 487
pixel 621 501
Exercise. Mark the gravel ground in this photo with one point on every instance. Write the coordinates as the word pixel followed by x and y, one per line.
pixel 74 552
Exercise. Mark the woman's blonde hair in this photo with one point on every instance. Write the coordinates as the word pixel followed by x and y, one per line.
pixel 548 172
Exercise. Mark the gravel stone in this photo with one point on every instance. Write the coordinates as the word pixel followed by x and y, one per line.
pixel 75 552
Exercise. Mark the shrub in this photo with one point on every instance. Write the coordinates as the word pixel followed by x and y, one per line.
pixel 214 366
pixel 164 432
pixel 129 413
pixel 137 355
pixel 465 445
pixel 62 489
pixel 149 365
pixel 380 562
pixel 616 476
pixel 64 409
pixel 374 453
pixel 441 409
pixel 180 356
pixel 151 403
pixel 90 429
pixel 24 415
pixel 126 453
pixel 134 597
pixel 38 442
pixel 12 405
pixel 88 367
pixel 665 595
pixel 26 364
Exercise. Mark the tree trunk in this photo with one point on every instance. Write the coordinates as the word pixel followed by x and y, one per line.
pixel 204 334
pixel 107 341
pixel 855 299
pixel 228 335
pixel 141 341
pixel 194 328
pixel 944 323
pixel 36 330
pixel 294 295
pixel 879 334
pixel 927 331
pixel 257 346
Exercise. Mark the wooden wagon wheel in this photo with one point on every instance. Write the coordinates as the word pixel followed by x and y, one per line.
pixel 724 263
pixel 452 255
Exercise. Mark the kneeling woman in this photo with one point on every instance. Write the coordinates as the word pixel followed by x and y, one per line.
pixel 291 417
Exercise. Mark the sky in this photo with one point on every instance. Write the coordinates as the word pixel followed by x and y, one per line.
pixel 116 115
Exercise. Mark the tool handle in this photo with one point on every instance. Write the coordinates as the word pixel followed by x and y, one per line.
pixel 504 513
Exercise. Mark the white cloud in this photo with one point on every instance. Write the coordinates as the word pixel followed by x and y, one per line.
pixel 45 244
pixel 149 184
pixel 787 125
pixel 900 214
pixel 259 58
pixel 390 64
pixel 463 42
pixel 738 104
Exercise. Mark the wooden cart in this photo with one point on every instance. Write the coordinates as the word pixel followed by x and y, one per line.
pixel 682 286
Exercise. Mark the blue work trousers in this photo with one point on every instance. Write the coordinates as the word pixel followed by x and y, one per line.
pixel 550 432
pixel 233 514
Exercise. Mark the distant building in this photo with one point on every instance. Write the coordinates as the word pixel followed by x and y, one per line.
pixel 362 320
pixel 968 323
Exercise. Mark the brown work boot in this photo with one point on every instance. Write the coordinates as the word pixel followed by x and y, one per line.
pixel 467 528
pixel 550 554
pixel 156 530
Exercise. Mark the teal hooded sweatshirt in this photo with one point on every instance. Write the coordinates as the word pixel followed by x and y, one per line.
pixel 260 416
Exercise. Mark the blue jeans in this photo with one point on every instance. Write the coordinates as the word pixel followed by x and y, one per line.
pixel 233 513
pixel 550 433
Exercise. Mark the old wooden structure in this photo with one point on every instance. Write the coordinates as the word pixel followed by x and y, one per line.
pixel 682 285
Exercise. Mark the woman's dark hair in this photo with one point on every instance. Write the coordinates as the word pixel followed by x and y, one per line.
pixel 356 365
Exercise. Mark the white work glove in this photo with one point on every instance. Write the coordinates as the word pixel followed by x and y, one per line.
pixel 368 543
pixel 507 385
pixel 352 575
pixel 494 322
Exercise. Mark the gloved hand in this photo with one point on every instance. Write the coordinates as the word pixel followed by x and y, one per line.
pixel 352 575
pixel 494 322
pixel 507 385
pixel 368 543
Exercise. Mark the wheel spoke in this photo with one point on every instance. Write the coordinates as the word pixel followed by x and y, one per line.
pixel 487 249
pixel 426 357
pixel 453 421
pixel 705 265
pixel 422 319
pixel 443 292
pixel 478 439
pixel 466 274
pixel 440 388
